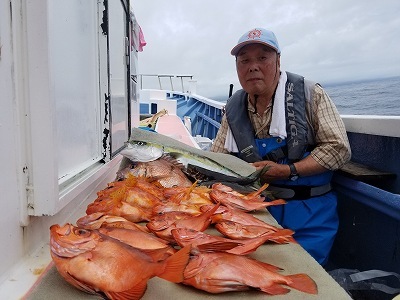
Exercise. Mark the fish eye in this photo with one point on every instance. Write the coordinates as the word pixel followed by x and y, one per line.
pixel 140 143
pixel 81 232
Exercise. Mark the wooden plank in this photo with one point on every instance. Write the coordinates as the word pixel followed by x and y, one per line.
pixel 364 173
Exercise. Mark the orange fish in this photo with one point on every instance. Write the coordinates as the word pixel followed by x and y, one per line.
pixel 254 196
pixel 203 241
pixel 186 199
pixel 96 263
pixel 239 231
pixel 111 187
pixel 99 219
pixel 193 194
pixel 143 183
pixel 220 272
pixel 171 206
pixel 141 198
pixel 155 247
pixel 146 184
pixel 167 173
pixel 162 225
pixel 229 214
pixel 114 204
pixel 133 191
pixel 232 200
pixel 211 243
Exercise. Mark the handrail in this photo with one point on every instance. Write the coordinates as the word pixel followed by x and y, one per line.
pixel 376 198
pixel 208 119
pixel 159 76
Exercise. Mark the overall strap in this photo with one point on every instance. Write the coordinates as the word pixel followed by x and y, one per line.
pixel 241 127
pixel 296 120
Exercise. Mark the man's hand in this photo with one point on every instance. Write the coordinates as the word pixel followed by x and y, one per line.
pixel 305 167
pixel 275 171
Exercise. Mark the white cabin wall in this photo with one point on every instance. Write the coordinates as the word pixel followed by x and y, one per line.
pixel 12 246
pixel 24 238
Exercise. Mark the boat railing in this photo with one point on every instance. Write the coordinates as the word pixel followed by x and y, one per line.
pixel 203 114
pixel 170 78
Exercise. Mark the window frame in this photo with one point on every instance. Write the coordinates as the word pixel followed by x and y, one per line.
pixel 47 194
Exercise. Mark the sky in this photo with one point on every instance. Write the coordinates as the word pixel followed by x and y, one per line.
pixel 328 41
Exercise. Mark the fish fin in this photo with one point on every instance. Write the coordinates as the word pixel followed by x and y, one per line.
pixel 276 202
pixel 200 222
pixel 281 236
pixel 269 267
pixel 175 265
pixel 134 293
pixel 250 245
pixel 78 284
pixel 215 218
pixel 275 289
pixel 171 158
pixel 218 246
pixel 303 283
pixel 160 253
pixel 201 219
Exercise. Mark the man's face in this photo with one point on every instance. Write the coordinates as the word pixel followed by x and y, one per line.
pixel 257 67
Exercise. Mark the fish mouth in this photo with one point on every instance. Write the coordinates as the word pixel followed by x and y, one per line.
pixel 139 151
pixel 70 241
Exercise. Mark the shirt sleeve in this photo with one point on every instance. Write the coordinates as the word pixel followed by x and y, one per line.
pixel 332 149
pixel 219 142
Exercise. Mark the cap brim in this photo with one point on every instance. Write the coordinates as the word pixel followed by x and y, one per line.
pixel 235 50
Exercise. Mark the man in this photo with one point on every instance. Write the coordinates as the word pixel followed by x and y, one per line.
pixel 289 124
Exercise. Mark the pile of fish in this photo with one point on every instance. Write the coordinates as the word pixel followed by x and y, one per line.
pixel 142 226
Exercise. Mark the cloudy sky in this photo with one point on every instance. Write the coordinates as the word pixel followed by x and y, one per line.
pixel 327 41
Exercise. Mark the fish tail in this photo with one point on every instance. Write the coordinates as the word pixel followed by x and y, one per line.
pixel 303 283
pixel 218 246
pixel 275 202
pixel 175 265
pixel 216 218
pixel 281 236
pixel 201 222
pixel 257 193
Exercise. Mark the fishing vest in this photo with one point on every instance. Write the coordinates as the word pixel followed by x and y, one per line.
pixel 299 137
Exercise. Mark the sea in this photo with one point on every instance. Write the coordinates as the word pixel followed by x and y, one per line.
pixel 371 97
pixel 368 97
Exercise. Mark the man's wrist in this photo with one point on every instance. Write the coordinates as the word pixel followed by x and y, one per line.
pixel 294 175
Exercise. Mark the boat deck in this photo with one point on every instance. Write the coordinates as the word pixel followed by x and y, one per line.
pixel 172 126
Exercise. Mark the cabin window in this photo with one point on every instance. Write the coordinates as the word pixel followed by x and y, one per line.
pixel 78 96
pixel 119 48
pixel 79 106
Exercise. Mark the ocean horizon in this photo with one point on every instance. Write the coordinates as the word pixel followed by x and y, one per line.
pixel 362 97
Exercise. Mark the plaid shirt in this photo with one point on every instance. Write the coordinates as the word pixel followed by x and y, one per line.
pixel 332 146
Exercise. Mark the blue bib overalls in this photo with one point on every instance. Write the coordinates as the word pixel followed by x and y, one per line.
pixel 314 220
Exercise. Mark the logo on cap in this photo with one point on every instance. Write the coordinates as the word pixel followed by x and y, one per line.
pixel 254 34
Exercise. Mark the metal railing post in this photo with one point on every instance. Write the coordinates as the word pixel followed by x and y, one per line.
pixel 159 81
pixel 172 86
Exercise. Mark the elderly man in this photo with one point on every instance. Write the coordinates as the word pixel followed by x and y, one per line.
pixel 290 124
